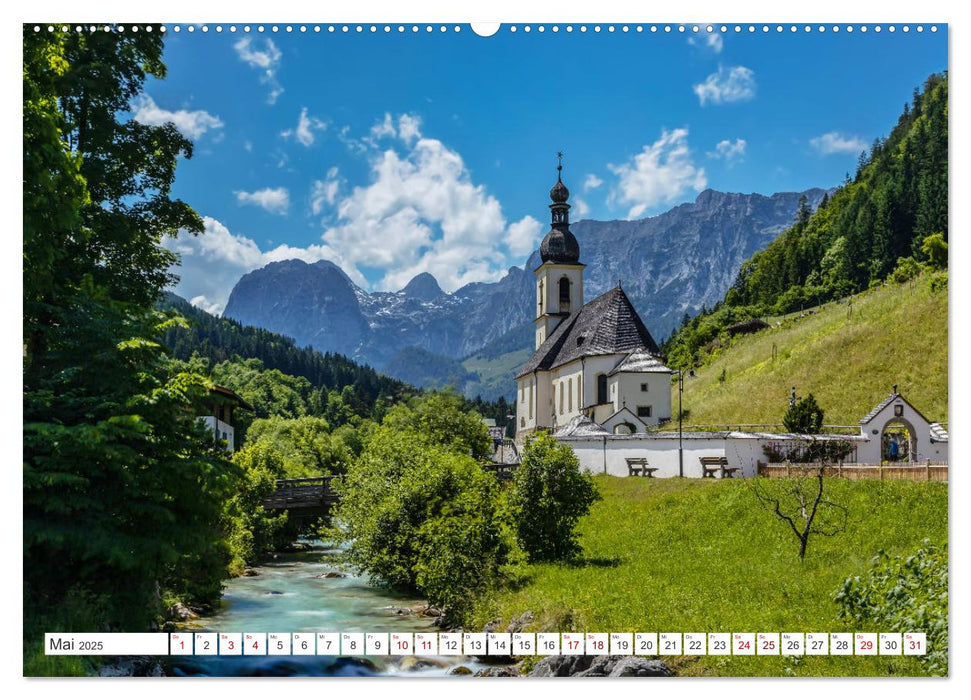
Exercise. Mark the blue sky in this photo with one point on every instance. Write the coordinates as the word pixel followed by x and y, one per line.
pixel 394 154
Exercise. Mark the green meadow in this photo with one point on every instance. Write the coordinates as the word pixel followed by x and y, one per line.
pixel 680 555
pixel 848 355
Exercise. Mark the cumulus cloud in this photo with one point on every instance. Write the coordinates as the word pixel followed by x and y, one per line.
pixel 212 262
pixel 660 173
pixel 711 40
pixel 591 182
pixel 730 151
pixel 265 59
pixel 580 209
pixel 192 124
pixel 733 85
pixel 835 142
pixel 275 200
pixel 324 191
pixel 421 212
pixel 523 235
pixel 306 126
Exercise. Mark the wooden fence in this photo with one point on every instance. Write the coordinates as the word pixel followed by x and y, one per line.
pixel 882 472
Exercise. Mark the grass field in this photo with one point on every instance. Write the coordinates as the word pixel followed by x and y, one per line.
pixel 701 556
pixel 848 357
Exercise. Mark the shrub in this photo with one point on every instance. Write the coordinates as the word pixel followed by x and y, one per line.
pixel 804 416
pixel 551 495
pixel 419 517
pixel 907 268
pixel 934 248
pixel 904 594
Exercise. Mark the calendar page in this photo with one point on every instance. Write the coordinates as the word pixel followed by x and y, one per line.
pixel 529 349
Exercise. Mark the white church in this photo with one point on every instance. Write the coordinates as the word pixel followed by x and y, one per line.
pixel 596 360
pixel 597 383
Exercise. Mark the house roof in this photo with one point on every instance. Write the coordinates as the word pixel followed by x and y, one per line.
pixel 640 361
pixel 938 433
pixel 607 325
pixel 886 402
pixel 231 395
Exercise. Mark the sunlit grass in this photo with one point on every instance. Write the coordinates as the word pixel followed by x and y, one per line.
pixel 701 556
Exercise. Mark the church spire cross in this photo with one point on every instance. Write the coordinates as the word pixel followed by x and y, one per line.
pixel 559 166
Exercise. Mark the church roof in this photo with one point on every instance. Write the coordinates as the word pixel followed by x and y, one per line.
pixel 886 402
pixel 581 426
pixel 640 361
pixel 608 325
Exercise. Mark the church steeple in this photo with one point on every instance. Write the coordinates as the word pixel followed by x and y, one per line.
pixel 559 279
pixel 560 245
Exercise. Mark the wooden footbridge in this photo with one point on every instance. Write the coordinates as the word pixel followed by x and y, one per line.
pixel 313 496
pixel 309 497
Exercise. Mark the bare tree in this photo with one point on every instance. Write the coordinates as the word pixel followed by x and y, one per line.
pixel 799 502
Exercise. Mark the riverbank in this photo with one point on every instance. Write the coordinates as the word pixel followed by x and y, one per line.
pixel 701 556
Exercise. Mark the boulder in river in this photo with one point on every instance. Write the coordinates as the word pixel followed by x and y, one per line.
pixel 460 671
pixel 332 574
pixel 272 592
pixel 420 663
pixel 180 612
pixel 250 572
pixel 141 666
pixel 498 672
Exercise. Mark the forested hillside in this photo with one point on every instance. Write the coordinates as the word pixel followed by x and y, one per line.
pixel 890 219
pixel 220 339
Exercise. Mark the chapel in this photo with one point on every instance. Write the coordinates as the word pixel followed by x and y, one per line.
pixel 596 360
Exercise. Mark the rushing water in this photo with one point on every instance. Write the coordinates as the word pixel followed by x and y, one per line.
pixel 291 594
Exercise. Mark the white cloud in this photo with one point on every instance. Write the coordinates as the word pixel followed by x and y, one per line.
pixel 324 191
pixel 266 60
pixel 248 145
pixel 523 236
pixel 835 142
pixel 591 182
pixel 713 40
pixel 212 262
pixel 421 212
pixel 191 124
pixel 734 85
pixel 659 174
pixel 730 151
pixel 275 200
pixel 580 209
pixel 306 126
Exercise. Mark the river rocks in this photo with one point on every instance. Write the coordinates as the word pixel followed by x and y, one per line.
pixel 398 611
pixel 332 574
pixel 180 612
pixel 520 623
pixel 250 572
pixel 141 666
pixel 347 666
pixel 430 611
pixel 460 671
pixel 492 626
pixel 498 672
pixel 272 592
pixel 420 663
pixel 599 667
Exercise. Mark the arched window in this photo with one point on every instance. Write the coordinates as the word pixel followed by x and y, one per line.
pixel 601 388
pixel 561 397
pixel 565 290
pixel 569 396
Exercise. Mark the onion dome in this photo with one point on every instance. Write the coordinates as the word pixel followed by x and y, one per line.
pixel 560 245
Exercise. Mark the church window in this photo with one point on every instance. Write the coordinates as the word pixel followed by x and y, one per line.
pixel 561 397
pixel 644 386
pixel 531 401
pixel 569 395
pixel 643 411
pixel 522 422
pixel 565 289
pixel 540 298
pixel 601 388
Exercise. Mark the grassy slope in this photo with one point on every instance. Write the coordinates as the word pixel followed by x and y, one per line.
pixel 895 335
pixel 690 555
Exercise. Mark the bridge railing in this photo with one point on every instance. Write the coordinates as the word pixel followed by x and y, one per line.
pixel 305 492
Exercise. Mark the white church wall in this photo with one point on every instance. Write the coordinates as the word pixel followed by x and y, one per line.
pixel 657 396
pixel 567 397
pixel 609 455
pixel 592 368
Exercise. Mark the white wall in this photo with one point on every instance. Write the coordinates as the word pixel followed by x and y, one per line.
pixel 661 452
pixel 627 392
pixel 924 449
pixel 220 430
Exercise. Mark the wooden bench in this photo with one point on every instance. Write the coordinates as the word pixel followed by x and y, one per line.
pixel 637 466
pixel 715 465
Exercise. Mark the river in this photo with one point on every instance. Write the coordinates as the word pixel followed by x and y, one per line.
pixel 290 594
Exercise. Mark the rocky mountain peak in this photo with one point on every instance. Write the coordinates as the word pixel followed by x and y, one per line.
pixel 423 287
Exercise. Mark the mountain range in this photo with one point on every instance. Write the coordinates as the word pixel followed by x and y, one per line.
pixel 670 265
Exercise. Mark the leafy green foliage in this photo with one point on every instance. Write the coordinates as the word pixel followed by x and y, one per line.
pixel 804 416
pixel 306 446
pixel 934 249
pixel 123 492
pixel 551 495
pixel 440 418
pixel 252 531
pixel 904 594
pixel 419 516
